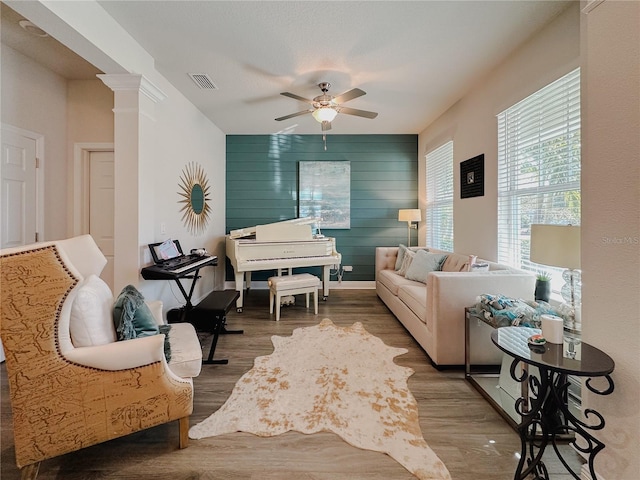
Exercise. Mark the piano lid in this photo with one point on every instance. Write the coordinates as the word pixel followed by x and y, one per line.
pixel 289 232
pixel 278 231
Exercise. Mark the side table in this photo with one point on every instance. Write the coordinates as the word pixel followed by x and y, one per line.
pixel 485 378
pixel 541 423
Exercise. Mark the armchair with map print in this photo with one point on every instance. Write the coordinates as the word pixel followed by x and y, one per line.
pixel 73 385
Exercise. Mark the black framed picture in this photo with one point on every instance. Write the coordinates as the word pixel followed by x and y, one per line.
pixel 472 177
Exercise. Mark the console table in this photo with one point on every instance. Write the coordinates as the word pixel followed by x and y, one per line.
pixel 546 415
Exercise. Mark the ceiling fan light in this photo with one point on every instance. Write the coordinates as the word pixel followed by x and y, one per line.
pixel 324 114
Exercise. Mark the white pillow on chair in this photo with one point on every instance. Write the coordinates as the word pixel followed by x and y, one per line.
pixel 91 320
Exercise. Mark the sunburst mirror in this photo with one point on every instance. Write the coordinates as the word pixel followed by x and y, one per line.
pixel 194 188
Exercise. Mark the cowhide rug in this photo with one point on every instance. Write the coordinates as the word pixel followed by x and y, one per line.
pixel 330 378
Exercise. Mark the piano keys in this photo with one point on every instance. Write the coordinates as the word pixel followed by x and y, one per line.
pixel 289 244
pixel 159 272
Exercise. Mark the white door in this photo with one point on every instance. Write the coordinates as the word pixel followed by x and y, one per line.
pixel 18 192
pixel 101 210
pixel 18 198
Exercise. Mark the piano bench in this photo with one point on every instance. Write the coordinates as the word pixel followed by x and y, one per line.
pixel 211 315
pixel 292 285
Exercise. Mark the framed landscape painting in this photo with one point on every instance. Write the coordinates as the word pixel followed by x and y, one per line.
pixel 324 191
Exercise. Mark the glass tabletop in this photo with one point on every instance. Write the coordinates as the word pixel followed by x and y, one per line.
pixel 573 358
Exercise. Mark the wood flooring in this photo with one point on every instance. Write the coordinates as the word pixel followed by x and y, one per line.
pixel 459 425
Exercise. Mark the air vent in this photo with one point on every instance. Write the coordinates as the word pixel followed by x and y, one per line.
pixel 203 81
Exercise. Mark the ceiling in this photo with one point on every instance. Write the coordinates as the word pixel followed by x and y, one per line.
pixel 413 59
pixel 42 48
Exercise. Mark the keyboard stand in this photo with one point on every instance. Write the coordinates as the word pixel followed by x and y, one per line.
pixel 209 315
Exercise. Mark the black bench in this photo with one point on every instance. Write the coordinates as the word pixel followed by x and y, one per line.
pixel 210 315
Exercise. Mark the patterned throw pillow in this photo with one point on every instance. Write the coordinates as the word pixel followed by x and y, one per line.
pixel 406 262
pixel 401 250
pixel 479 267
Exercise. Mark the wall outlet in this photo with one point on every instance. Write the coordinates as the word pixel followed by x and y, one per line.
pixel 348 268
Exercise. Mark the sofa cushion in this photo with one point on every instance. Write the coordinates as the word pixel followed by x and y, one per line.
pixel 391 280
pixel 414 297
pixel 132 317
pixel 186 352
pixel 90 321
pixel 424 262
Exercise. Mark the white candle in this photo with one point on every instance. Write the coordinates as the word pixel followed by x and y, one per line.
pixel 552 328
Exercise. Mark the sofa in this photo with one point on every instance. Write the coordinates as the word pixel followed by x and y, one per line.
pixel 429 297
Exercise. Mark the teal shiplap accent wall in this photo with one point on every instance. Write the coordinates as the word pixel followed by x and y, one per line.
pixel 262 187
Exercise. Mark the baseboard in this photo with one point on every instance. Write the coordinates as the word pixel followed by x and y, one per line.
pixel 584 470
pixel 586 475
pixel 333 285
pixel 370 285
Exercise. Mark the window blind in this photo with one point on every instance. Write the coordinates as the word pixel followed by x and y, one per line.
pixel 439 185
pixel 538 167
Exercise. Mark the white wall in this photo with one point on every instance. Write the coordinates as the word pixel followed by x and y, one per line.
pixel 35 98
pixel 472 125
pixel 611 222
pixel 184 135
pixel 173 134
pixel 606 45
pixel 90 105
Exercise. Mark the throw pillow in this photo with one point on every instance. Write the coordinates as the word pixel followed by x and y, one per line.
pixel 479 267
pixel 401 249
pixel 456 263
pixel 90 322
pixel 423 263
pixel 132 317
pixel 406 262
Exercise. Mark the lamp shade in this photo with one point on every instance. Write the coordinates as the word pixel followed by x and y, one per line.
pixel 324 114
pixel 555 245
pixel 409 215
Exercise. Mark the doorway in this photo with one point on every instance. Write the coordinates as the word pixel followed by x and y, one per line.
pixel 94 199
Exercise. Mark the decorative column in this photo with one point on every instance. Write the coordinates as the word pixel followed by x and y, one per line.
pixel 135 98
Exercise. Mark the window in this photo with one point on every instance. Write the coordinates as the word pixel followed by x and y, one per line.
pixel 538 168
pixel 440 197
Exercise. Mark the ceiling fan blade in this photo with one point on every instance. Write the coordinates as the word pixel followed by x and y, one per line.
pixel 350 95
pixel 355 111
pixel 326 126
pixel 297 97
pixel 286 117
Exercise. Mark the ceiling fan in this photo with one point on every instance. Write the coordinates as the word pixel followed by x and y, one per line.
pixel 326 107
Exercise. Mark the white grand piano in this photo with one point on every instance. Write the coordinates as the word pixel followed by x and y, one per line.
pixel 281 245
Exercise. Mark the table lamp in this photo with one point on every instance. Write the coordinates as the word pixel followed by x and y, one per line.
pixel 559 246
pixel 411 216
